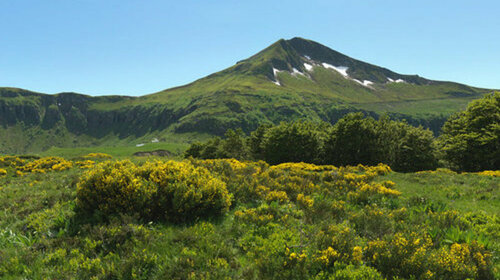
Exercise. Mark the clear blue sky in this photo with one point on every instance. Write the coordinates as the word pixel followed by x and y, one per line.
pixel 137 47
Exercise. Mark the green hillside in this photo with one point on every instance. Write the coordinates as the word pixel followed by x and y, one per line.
pixel 289 80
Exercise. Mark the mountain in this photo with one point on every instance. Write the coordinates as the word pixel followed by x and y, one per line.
pixel 291 79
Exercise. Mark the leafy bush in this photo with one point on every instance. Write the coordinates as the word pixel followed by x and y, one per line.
pixel 173 191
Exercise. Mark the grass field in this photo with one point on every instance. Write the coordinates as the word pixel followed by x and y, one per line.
pixel 291 221
pixel 175 149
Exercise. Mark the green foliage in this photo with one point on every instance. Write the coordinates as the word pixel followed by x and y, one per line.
pixel 292 142
pixel 353 140
pixel 471 139
pixel 232 146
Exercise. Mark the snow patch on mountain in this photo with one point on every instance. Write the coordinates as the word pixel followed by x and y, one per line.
pixel 341 69
pixel 275 73
pixel 296 72
pixel 365 83
pixel 308 66
pixel 396 81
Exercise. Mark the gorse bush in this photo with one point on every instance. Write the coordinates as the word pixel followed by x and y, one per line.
pixel 33 164
pixel 113 188
pixel 45 164
pixel 184 191
pixel 171 191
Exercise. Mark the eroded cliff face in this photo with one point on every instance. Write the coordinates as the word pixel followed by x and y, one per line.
pixel 42 121
pixel 72 111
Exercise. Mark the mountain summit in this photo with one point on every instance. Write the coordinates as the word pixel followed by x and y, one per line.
pixel 300 56
pixel 289 80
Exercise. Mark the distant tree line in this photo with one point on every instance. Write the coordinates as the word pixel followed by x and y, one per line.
pixel 470 141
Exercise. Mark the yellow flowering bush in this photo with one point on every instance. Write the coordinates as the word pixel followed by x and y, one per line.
pixel 339 242
pixel 461 261
pixel 305 200
pixel 494 173
pixel 254 216
pixel 45 164
pixel 85 164
pixel 185 191
pixel 403 255
pixel 170 190
pixel 6 161
pixel 97 156
pixel 113 188
pixel 412 255
pixel 328 256
pixel 279 196
pixel 3 172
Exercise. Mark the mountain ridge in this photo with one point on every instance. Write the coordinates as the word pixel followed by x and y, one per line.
pixel 288 80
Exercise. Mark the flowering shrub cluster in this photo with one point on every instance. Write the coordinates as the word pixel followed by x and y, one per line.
pixel 13 161
pixel 20 166
pixel 97 156
pixel 365 233
pixel 174 191
pixel 45 164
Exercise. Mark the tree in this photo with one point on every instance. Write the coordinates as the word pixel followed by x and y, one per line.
pixel 353 140
pixel 234 145
pixel 255 142
pixel 292 142
pixel 471 139
pixel 415 150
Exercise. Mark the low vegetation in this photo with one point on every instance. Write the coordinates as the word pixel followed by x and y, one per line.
pixel 230 219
